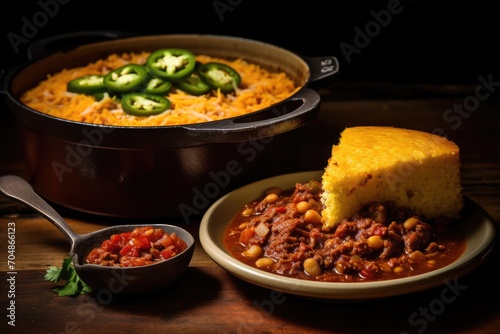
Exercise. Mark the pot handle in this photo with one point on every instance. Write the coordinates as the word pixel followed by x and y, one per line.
pixel 321 69
pixel 287 115
pixel 64 42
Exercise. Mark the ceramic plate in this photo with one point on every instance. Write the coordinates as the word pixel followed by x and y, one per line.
pixel 478 225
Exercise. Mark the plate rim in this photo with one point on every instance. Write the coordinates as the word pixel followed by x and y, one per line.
pixel 470 259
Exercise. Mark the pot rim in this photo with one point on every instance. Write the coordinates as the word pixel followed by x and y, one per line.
pixel 255 125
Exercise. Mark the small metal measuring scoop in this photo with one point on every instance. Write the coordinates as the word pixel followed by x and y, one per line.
pixel 114 280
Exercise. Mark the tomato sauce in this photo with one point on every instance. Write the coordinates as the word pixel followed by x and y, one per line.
pixel 282 233
pixel 139 247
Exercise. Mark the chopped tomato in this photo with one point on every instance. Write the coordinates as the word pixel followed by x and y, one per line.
pixel 165 241
pixel 107 245
pixel 126 235
pixel 167 253
pixel 156 235
pixel 246 235
pixel 115 238
pixel 129 250
pixel 281 209
pixel 178 241
pixel 141 242
pixel 139 247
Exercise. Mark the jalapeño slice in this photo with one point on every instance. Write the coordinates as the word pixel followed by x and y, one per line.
pixel 157 86
pixel 193 85
pixel 88 84
pixel 219 76
pixel 143 104
pixel 171 64
pixel 126 78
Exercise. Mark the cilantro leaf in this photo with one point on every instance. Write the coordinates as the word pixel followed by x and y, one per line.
pixel 67 276
pixel 52 274
pixel 70 289
pixel 66 269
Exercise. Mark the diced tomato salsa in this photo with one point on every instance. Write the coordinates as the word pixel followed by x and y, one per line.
pixel 142 246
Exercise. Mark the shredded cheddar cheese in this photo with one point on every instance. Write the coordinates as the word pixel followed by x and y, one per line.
pixel 259 89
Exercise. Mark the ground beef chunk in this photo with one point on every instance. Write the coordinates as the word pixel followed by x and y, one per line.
pixel 418 238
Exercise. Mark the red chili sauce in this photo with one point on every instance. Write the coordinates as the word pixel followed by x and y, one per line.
pixel 140 247
pixel 282 233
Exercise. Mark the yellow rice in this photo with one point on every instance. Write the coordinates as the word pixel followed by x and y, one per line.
pixel 259 89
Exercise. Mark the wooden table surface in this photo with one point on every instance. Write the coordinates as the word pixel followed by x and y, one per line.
pixel 207 299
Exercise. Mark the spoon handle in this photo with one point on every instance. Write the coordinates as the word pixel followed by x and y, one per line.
pixel 20 190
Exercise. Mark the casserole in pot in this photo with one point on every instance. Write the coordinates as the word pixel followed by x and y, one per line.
pixel 163 171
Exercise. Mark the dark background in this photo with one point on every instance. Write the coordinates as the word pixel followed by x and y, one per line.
pixel 425 42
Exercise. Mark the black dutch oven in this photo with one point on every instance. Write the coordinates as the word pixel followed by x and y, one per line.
pixel 168 171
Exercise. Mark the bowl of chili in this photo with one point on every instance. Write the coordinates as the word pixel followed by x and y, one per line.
pixel 469 242
pixel 162 171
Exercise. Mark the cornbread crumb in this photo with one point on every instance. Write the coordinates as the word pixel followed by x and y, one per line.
pixel 413 169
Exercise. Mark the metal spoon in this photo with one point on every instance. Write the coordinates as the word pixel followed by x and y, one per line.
pixel 107 280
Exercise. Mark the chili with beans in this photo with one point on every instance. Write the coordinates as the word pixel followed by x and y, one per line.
pixel 141 246
pixel 282 233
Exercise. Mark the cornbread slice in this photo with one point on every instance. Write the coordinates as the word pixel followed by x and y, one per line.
pixel 414 169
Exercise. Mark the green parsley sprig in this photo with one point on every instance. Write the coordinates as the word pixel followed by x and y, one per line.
pixel 67 275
